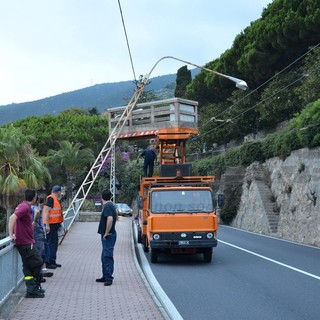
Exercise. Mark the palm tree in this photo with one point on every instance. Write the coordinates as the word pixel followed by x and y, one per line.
pixel 20 167
pixel 73 159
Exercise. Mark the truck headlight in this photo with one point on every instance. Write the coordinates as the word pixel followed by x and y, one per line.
pixel 209 235
pixel 156 236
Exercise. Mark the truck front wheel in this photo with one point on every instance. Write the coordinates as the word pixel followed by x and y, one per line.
pixel 139 235
pixel 145 243
pixel 207 255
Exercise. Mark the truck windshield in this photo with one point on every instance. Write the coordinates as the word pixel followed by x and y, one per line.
pixel 175 201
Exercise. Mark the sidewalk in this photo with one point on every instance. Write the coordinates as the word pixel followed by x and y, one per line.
pixel 72 292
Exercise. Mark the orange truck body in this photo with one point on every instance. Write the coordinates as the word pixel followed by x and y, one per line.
pixel 177 215
pixel 176 209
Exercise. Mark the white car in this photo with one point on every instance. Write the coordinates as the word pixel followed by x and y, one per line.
pixel 123 209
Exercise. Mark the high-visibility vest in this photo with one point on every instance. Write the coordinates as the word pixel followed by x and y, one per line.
pixel 55 214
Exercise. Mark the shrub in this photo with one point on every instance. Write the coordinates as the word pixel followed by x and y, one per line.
pixel 250 152
pixel 307 125
pixel 303 131
pixel 232 196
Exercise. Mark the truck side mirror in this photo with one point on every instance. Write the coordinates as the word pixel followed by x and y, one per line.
pixel 139 202
pixel 220 200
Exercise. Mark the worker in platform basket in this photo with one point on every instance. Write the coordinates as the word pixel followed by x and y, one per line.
pixel 149 158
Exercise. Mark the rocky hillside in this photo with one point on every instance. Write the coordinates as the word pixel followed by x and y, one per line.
pixel 282 197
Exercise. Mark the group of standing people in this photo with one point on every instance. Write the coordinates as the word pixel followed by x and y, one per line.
pixel 34 227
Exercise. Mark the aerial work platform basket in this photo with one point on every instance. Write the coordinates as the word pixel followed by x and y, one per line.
pixel 169 122
pixel 174 115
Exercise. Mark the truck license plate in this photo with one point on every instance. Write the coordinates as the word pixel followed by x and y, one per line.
pixel 183 242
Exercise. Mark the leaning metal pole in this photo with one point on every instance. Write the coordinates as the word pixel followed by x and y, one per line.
pixel 71 213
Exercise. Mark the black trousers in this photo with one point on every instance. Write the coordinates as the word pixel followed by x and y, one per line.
pixel 146 166
pixel 31 260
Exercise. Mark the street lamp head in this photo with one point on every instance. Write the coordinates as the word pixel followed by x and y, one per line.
pixel 242 85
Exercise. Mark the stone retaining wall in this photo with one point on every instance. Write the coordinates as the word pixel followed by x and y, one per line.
pixel 295 196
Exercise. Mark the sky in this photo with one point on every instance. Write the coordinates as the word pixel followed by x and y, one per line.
pixel 51 47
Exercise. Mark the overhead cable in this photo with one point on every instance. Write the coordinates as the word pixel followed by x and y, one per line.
pixel 276 75
pixel 128 46
pixel 260 102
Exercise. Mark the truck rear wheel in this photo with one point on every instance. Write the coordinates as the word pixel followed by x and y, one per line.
pixel 145 243
pixel 207 255
pixel 154 255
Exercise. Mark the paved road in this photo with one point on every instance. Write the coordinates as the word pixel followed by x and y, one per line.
pixel 251 277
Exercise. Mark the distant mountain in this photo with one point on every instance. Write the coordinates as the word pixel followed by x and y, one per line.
pixel 101 96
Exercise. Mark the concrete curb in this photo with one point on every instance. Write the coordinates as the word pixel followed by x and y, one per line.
pixel 161 299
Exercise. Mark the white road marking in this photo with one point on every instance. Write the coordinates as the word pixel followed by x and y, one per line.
pixel 271 237
pixel 271 260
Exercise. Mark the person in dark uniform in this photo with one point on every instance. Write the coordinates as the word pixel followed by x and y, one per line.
pixel 149 159
pixel 108 235
pixel 22 233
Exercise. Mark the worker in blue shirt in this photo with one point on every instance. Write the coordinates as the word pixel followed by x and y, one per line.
pixel 149 159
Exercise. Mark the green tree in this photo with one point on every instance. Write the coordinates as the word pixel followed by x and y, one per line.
pixel 308 91
pixel 75 111
pixel 73 159
pixel 284 32
pixel 122 173
pixel 93 111
pixel 146 95
pixel 20 166
pixel 207 88
pixel 90 131
pixel 182 81
pixel 213 126
pixel 279 100
pixel 130 180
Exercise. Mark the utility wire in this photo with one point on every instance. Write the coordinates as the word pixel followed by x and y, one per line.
pixel 128 46
pixel 263 84
pixel 271 96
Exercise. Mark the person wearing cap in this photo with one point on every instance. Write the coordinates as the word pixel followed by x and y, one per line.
pixel 53 217
pixel 40 234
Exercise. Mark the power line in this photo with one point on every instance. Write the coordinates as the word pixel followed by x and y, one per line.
pixel 276 75
pixel 260 102
pixel 128 46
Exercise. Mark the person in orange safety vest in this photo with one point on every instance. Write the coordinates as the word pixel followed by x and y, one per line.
pixel 53 217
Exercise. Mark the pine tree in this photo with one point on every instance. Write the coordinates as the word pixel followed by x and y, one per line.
pixel 183 79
